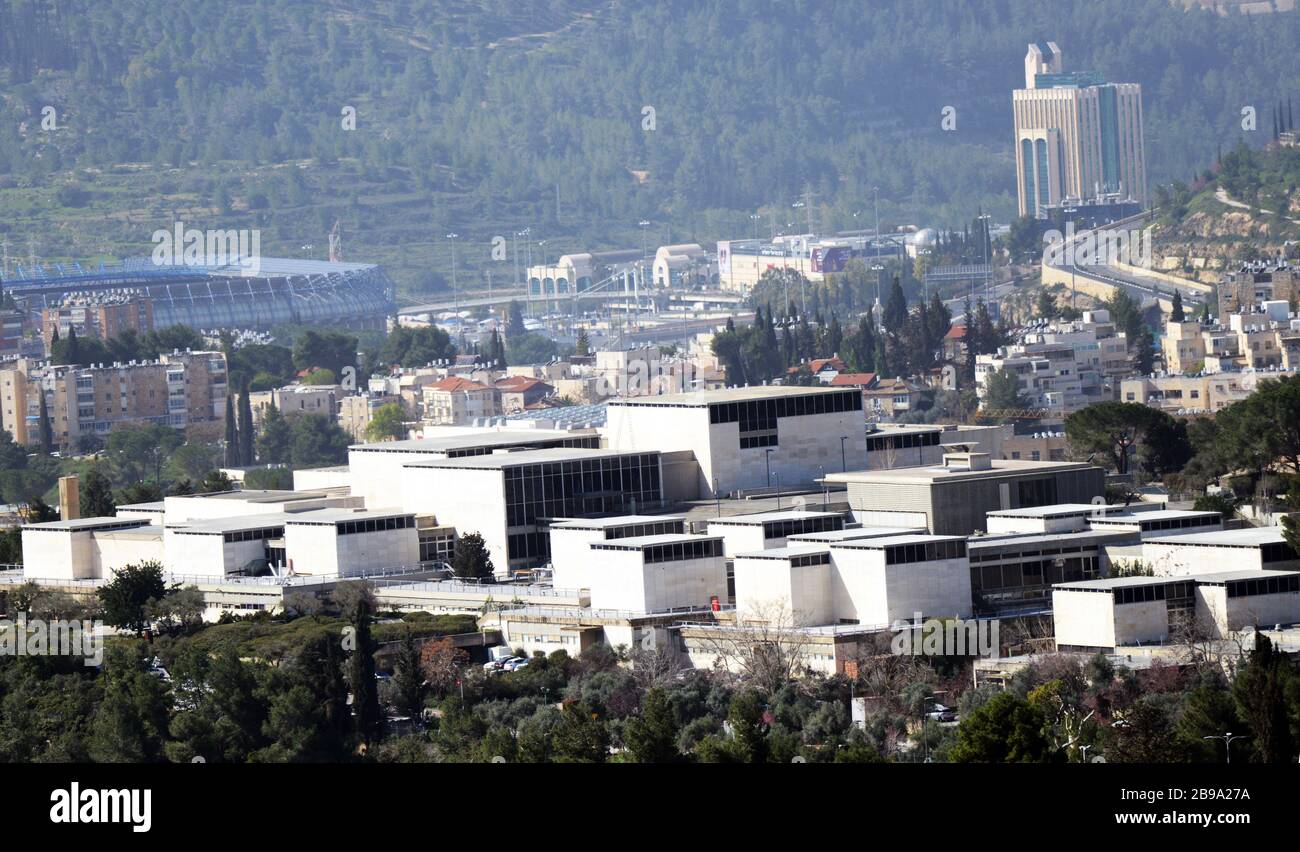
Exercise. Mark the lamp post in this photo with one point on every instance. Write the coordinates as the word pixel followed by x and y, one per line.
pixel 454 291
pixel 767 460
pixel 825 495
pixel 844 463
pixel 1228 739
pixel 778 491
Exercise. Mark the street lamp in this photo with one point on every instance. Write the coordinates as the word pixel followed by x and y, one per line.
pixel 1228 738
pixel 454 291
pixel 825 495
pixel 778 491
pixel 767 460
pixel 844 464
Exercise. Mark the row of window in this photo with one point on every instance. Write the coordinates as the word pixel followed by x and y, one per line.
pixel 757 411
pixel 930 551
pixel 1145 594
pixel 674 551
pixel 1277 551
pixel 1020 554
pixel 1263 586
pixel 580 488
pixel 810 559
pixel 799 526
pixel 1181 523
pixel 1040 574
pixel 375 525
pixel 251 535
pixel 882 443
pixel 640 530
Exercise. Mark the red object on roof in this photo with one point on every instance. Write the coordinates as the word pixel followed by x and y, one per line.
pixel 957 332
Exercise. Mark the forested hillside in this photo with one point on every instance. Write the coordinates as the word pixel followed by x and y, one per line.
pixel 482 117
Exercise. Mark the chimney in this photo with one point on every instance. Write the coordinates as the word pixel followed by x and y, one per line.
pixel 69 498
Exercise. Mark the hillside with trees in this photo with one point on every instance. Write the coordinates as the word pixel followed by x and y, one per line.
pixel 478 118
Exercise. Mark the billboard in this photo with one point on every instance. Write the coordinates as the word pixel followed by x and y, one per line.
pixel 830 258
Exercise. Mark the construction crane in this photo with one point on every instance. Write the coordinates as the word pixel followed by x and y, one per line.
pixel 336 242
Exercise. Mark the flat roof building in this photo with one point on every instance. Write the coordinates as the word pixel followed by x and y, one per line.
pixel 954 499
pixel 746 438
pixel 510 498
pixel 1101 615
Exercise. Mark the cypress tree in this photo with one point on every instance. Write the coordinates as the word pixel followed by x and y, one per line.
pixel 47 429
pixel 361 670
pixel 245 425
pixel 232 434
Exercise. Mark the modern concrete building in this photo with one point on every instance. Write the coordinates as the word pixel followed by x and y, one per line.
pixel 510 498
pixel 954 498
pixel 765 530
pixel 1077 137
pixel 375 469
pixel 1102 615
pixel 1195 553
pixel 745 439
pixel 572 563
pixel 870 581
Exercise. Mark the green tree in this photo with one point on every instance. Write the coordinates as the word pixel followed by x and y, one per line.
pixel 1261 691
pixel 514 321
pixel 1146 735
pixel 1176 313
pixel 408 676
pixel 46 428
pixel 895 315
pixel 130 723
pixel 387 423
pixel 652 736
pixel 275 439
pixel 471 559
pixel 317 440
pixel 581 737
pixel 97 496
pixel 126 596
pixel 1005 729
pixel 246 433
pixel 232 434
pixel 748 727
pixel 1116 430
pixel 361 675
pixel 1002 391
pixel 582 346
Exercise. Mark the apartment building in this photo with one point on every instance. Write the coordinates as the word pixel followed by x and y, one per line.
pixel 1251 284
pixel 1061 367
pixel 457 401
pixel 178 389
pixel 99 315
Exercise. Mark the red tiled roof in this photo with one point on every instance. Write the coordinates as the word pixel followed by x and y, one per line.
pixel 519 384
pixel 456 383
pixel 957 332
pixel 858 379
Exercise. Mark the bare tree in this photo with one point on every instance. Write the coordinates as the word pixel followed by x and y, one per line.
pixel 767 649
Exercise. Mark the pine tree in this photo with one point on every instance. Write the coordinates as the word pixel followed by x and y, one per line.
pixel 581 347
pixel 471 559
pixel 232 434
pixel 1176 312
pixel 246 433
pixel 652 736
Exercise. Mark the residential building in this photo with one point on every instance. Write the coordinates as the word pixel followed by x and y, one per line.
pixel 100 315
pixel 457 402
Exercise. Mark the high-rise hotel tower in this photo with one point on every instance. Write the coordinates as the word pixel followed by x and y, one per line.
pixel 1078 138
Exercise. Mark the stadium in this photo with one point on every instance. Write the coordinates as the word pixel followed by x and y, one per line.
pixel 282 292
